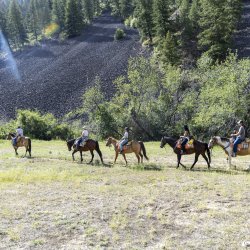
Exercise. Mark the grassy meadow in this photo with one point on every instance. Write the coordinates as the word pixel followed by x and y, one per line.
pixel 48 201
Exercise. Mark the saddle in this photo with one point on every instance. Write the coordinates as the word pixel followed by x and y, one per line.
pixel 82 144
pixel 127 145
pixel 189 144
pixel 244 145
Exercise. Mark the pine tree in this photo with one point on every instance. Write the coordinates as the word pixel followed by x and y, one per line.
pixel 217 22
pixel 126 8
pixel 16 30
pixel 58 12
pixel 32 19
pixel 169 50
pixel 161 17
pixel 3 21
pixel 88 10
pixel 193 16
pixel 144 14
pixel 73 18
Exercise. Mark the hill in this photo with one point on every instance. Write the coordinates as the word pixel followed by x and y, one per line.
pixel 55 74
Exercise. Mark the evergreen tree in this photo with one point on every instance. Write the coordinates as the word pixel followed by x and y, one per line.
pixel 144 14
pixel 169 50
pixel 161 17
pixel 58 12
pixel 217 22
pixel 194 18
pixel 73 18
pixel 88 10
pixel 126 8
pixel 3 21
pixel 16 30
pixel 32 19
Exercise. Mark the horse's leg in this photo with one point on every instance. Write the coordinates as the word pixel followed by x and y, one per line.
pixel 73 157
pixel 179 161
pixel 195 160
pixel 16 151
pixel 206 159
pixel 141 155
pixel 138 157
pixel 116 155
pixel 92 154
pixel 125 158
pixel 81 156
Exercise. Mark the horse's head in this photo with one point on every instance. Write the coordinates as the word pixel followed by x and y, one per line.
pixel 109 141
pixel 70 143
pixel 213 141
pixel 163 141
pixel 10 136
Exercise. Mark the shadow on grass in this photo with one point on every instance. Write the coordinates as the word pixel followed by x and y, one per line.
pixel 222 171
pixel 147 167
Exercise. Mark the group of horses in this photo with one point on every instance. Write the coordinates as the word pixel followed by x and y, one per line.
pixel 198 148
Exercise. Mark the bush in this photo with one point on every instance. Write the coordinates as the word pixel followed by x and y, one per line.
pixel 119 34
pixel 38 126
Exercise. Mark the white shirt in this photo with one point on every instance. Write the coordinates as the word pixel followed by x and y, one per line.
pixel 85 133
pixel 19 131
pixel 125 135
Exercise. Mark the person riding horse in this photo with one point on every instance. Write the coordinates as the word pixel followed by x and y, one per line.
pixel 184 139
pixel 19 135
pixel 124 140
pixel 82 140
pixel 240 137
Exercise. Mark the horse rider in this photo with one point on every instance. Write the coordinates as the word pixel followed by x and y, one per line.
pixel 240 137
pixel 185 138
pixel 83 138
pixel 19 134
pixel 124 139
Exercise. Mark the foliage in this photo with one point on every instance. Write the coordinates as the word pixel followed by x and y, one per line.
pixel 73 18
pixel 119 34
pixel 38 126
pixel 152 100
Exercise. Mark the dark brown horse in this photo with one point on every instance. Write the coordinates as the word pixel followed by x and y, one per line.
pixel 199 148
pixel 90 145
pixel 22 142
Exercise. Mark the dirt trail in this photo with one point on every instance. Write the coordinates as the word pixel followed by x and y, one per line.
pixel 242 35
pixel 55 74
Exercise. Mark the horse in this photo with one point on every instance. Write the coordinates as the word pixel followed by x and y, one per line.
pixel 132 147
pixel 225 143
pixel 22 142
pixel 90 145
pixel 200 148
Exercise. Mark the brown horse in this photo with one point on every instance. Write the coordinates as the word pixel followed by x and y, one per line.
pixel 133 147
pixel 22 142
pixel 199 148
pixel 90 145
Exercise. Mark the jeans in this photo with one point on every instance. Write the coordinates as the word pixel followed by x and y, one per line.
pixel 122 143
pixel 236 143
pixel 184 142
pixel 82 139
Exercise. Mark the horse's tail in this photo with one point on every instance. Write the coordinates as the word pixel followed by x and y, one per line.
pixel 143 150
pixel 97 148
pixel 208 153
pixel 29 144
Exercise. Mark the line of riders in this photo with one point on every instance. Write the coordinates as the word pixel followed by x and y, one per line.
pixel 124 146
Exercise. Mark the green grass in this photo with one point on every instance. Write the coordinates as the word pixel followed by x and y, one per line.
pixel 48 201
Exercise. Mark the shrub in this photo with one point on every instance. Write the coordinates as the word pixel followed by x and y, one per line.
pixel 38 126
pixel 119 34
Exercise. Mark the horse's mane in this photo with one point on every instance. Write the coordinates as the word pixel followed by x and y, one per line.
pixel 225 139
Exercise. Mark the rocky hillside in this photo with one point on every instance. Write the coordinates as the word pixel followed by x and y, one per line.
pixel 55 74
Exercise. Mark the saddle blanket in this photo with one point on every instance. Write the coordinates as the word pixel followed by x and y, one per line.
pixel 189 144
pixel 244 145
